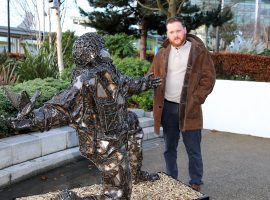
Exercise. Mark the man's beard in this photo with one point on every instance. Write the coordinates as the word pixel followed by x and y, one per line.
pixel 178 44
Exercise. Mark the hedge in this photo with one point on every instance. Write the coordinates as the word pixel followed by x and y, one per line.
pixel 247 66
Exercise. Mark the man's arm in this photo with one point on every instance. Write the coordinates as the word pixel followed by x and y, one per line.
pixel 207 80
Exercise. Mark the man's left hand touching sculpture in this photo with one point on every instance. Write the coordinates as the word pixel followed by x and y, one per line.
pixel 95 104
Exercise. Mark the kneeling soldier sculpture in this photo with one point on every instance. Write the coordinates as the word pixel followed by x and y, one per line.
pixel 95 104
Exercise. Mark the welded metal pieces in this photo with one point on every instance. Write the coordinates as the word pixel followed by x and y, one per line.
pixel 95 104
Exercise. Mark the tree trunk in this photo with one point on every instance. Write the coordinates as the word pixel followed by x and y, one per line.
pixel 267 36
pixel 256 36
pixel 49 34
pixel 143 40
pixel 59 42
pixel 206 36
pixel 217 39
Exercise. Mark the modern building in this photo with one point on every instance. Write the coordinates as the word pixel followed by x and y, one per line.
pixel 252 17
pixel 18 36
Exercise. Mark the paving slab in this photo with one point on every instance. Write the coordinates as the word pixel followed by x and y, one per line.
pixel 146 121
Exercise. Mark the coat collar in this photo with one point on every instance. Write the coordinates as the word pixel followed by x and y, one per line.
pixel 197 46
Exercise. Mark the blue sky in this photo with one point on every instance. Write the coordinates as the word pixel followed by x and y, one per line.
pixel 17 14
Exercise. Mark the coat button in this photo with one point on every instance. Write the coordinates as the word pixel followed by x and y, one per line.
pixel 160 106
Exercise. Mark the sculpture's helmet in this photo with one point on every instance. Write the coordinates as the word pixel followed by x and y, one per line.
pixel 89 49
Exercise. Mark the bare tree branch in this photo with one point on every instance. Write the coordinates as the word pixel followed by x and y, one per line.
pixel 147 7
pixel 161 7
pixel 180 6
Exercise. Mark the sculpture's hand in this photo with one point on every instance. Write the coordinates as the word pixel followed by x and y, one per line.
pixel 145 176
pixel 22 102
pixel 70 195
pixel 19 124
pixel 152 82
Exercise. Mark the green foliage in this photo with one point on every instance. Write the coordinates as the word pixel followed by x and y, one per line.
pixel 266 52
pixel 68 38
pixel 235 77
pixel 40 65
pixel 48 87
pixel 8 75
pixel 120 45
pixel 144 100
pixel 219 16
pixel 227 32
pixel 115 17
pixel 3 58
pixel 242 45
pixel 121 16
pixel 134 67
pixel 67 73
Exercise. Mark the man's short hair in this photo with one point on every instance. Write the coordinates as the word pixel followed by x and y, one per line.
pixel 175 19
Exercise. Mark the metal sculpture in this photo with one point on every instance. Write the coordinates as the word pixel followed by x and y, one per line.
pixel 95 104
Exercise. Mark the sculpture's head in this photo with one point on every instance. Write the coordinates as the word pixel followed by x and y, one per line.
pixel 89 49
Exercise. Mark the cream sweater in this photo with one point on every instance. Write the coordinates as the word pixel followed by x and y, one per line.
pixel 177 66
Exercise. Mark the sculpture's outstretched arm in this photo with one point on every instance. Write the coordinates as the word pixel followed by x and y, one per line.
pixel 53 113
pixel 136 86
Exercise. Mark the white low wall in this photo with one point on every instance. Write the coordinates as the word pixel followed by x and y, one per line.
pixel 239 107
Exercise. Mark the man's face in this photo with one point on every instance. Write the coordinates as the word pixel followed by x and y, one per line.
pixel 176 33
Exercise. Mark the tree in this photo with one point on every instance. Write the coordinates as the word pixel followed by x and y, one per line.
pixel 122 16
pixel 149 15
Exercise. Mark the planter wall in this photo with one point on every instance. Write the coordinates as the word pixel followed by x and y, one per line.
pixel 239 107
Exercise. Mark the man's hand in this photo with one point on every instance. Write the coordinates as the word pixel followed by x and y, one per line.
pixel 152 82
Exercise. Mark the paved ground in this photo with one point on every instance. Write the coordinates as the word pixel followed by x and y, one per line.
pixel 237 167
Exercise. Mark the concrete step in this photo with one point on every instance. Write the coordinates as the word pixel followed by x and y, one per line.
pixel 33 167
pixel 146 122
pixel 20 148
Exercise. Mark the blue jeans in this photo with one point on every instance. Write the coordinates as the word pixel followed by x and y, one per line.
pixel 192 142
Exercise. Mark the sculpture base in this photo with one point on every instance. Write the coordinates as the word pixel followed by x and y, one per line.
pixel 166 188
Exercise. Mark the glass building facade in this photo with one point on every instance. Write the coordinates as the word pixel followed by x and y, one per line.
pixel 252 17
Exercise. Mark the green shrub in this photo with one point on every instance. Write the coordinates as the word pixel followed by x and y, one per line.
pixel 68 38
pixel 143 101
pixel 48 87
pixel 3 58
pixel 266 52
pixel 67 73
pixel 120 45
pixel 40 65
pixel 131 66
pixel 134 67
pixel 8 74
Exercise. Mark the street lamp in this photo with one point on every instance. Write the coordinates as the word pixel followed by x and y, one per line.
pixel 54 4
pixel 9 43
